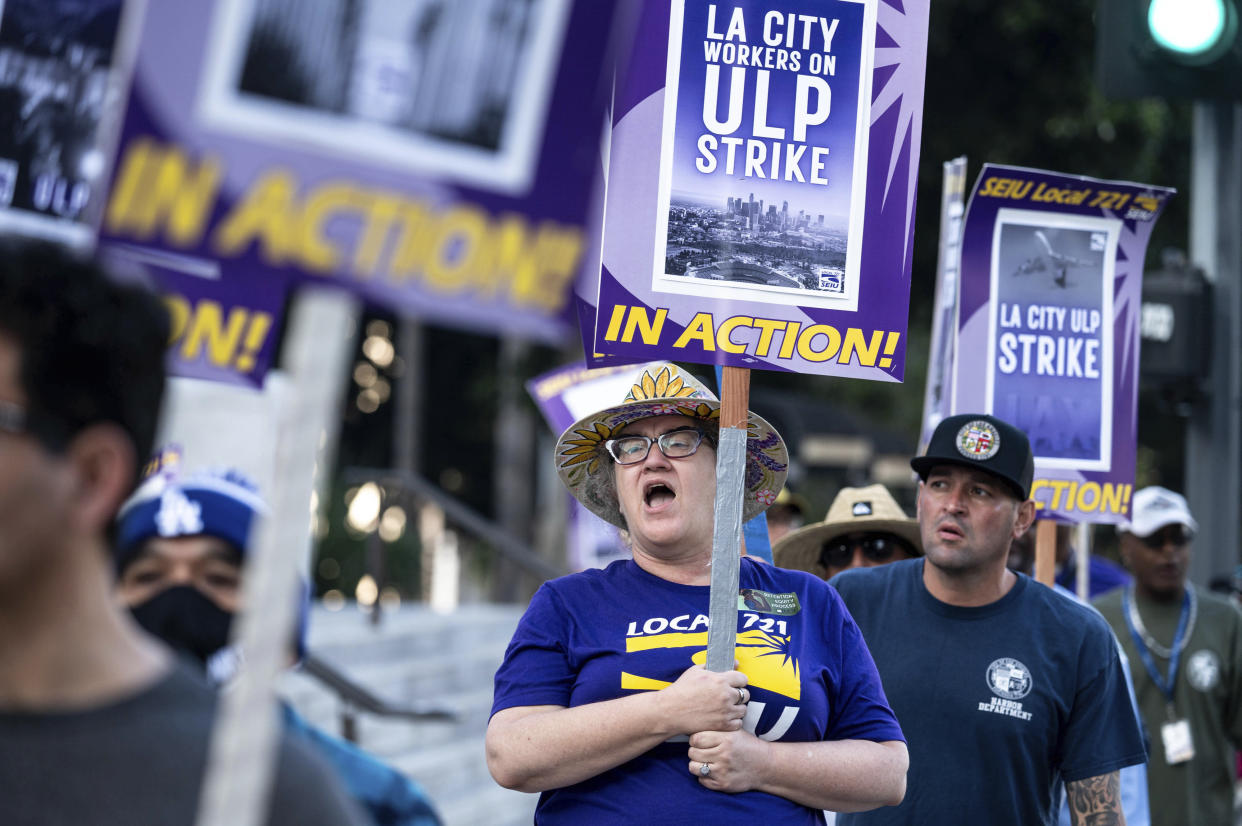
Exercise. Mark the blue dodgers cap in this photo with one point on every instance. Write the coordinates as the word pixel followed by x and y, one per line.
pixel 220 503
pixel 215 502
pixel 981 441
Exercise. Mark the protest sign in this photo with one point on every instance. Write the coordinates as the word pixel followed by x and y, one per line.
pixel 938 395
pixel 760 196
pixel 816 106
pixel 1048 327
pixel 436 158
pixel 64 71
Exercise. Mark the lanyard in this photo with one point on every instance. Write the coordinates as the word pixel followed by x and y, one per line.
pixel 1134 623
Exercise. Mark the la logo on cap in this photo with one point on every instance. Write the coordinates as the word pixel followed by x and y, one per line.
pixel 178 516
pixel 978 440
pixel 862 509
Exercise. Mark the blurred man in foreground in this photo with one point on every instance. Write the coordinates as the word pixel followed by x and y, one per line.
pixel 1188 643
pixel 97 723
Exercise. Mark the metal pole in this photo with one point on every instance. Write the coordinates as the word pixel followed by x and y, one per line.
pixel 727 527
pixel 407 426
pixel 514 455
pixel 1214 437
pixel 375 567
pixel 1082 561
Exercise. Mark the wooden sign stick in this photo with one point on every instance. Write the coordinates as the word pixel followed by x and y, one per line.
pixel 727 531
pixel 1045 551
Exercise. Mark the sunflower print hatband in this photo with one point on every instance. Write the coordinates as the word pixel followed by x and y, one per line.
pixel 585 448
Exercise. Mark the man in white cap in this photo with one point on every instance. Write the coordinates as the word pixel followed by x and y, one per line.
pixel 1189 644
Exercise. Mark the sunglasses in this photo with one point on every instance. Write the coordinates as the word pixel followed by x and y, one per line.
pixel 1176 534
pixel 676 444
pixel 879 548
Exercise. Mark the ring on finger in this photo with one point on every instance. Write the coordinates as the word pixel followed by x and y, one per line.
pixel 705 770
pixel 741 696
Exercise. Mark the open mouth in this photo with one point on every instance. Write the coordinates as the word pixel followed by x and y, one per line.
pixel 948 530
pixel 657 494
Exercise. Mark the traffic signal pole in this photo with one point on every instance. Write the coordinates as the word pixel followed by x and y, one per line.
pixel 1214 436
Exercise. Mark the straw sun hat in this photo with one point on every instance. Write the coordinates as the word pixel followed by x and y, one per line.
pixel 855 510
pixel 663 389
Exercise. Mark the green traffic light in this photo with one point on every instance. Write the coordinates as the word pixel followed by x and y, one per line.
pixel 1194 30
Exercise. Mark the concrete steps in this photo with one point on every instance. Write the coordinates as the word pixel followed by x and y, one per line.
pixel 421 658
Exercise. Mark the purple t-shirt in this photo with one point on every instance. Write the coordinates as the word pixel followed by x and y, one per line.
pixel 602 634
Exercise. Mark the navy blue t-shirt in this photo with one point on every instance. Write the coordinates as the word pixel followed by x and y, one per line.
pixel 602 634
pixel 998 702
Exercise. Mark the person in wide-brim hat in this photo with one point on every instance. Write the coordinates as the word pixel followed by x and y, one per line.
pixel 606 664
pixel 664 389
pixel 869 510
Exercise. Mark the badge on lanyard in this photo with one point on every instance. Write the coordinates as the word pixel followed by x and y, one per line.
pixel 1179 746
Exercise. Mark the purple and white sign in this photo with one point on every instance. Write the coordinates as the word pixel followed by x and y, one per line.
pixel 437 158
pixel 64 71
pixel 760 199
pixel 1048 334
pixel 938 396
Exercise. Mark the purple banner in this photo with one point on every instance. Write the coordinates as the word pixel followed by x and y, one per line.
pixel 221 331
pixel 437 158
pixel 761 190
pixel 1048 332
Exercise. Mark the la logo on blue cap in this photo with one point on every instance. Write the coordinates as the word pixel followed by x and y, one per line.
pixel 178 516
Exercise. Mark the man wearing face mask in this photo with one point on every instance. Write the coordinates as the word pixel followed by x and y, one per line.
pixel 180 551
pixel 179 560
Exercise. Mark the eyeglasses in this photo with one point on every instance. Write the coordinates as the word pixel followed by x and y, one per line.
pixel 878 548
pixel 676 444
pixel 1176 534
pixel 12 417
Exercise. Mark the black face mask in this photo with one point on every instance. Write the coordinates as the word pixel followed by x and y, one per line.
pixel 186 619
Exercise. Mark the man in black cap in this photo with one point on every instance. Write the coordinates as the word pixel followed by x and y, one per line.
pixel 1003 687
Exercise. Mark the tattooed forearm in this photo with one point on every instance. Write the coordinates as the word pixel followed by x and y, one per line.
pixel 1096 801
